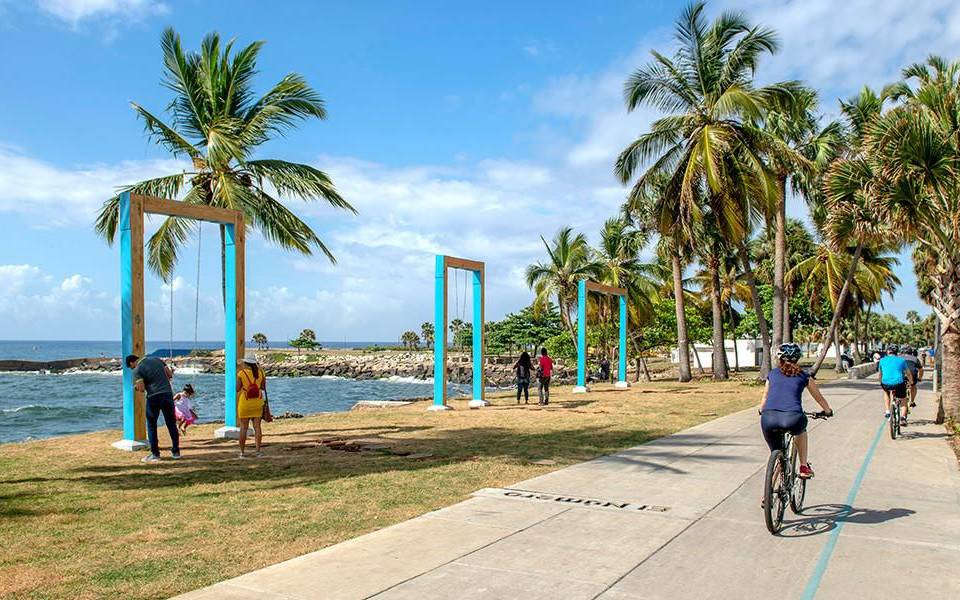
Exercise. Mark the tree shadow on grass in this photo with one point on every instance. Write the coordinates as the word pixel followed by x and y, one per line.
pixel 824 518
pixel 305 461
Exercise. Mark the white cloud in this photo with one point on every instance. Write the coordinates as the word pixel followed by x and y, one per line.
pixel 73 12
pixel 57 196
pixel 30 296
pixel 840 46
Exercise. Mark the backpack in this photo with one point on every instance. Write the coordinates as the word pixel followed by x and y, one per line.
pixel 251 388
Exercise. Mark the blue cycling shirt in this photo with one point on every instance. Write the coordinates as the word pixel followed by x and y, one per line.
pixel 892 369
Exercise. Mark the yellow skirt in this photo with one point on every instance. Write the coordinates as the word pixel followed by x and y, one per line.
pixel 248 408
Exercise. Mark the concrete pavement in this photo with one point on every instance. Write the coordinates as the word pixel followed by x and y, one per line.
pixel 678 517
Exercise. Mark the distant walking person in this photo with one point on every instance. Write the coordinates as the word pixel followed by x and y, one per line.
pixel 251 393
pixel 544 373
pixel 153 376
pixel 523 368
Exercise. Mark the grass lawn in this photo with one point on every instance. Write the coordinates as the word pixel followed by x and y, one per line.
pixel 81 520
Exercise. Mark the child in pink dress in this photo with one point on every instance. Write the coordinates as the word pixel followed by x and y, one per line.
pixel 183 407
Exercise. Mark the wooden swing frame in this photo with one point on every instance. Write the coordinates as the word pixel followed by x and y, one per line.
pixel 133 207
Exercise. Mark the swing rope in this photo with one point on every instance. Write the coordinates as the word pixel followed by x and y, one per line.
pixel 196 304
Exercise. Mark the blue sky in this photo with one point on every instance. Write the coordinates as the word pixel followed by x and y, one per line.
pixel 464 129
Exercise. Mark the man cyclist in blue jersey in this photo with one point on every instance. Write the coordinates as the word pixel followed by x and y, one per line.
pixel 909 354
pixel 894 377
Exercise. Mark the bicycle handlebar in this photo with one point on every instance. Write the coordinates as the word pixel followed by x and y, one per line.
pixel 819 415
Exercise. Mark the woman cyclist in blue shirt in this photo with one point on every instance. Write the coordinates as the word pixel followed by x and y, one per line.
pixel 782 406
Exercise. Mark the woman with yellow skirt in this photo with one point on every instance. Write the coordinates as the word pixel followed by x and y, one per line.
pixel 251 391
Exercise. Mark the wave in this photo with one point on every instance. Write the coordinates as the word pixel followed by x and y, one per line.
pixel 89 372
pixel 402 379
pixel 27 407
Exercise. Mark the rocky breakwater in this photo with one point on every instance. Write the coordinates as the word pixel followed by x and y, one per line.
pixel 498 371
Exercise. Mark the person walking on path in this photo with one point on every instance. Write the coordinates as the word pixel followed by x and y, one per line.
pixel 894 376
pixel 909 354
pixel 153 376
pixel 544 373
pixel 782 406
pixel 523 368
pixel 251 393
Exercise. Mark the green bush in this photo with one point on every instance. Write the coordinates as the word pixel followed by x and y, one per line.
pixel 278 357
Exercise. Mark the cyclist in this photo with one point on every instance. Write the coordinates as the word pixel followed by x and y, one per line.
pixel 909 354
pixel 894 376
pixel 782 406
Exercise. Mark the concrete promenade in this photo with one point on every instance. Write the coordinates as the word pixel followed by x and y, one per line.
pixel 678 517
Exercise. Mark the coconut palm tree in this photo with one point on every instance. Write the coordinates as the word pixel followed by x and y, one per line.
pixel 427 333
pixel 650 208
pixel 797 149
pixel 914 150
pixel 707 147
pixel 569 261
pixel 218 123
pixel 260 340
pixel 851 222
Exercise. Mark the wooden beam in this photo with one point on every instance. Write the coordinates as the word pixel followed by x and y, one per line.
pixel 136 258
pixel 240 238
pixel 174 208
pixel 605 289
pixel 453 262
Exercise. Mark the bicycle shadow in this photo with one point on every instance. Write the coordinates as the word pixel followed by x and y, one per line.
pixel 824 518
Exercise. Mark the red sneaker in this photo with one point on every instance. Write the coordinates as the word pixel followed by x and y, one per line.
pixel 806 472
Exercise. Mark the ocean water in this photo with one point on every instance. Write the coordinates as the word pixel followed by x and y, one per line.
pixel 54 350
pixel 39 405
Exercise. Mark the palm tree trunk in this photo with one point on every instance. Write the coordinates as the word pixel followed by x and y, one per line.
pixel 567 321
pixel 733 330
pixel 223 265
pixel 787 329
pixel 683 344
pixel 696 356
pixel 836 344
pixel 857 356
pixel 719 353
pixel 779 262
pixel 758 308
pixel 838 310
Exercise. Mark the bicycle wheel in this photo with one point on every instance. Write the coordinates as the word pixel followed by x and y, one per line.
pixel 774 496
pixel 894 420
pixel 798 490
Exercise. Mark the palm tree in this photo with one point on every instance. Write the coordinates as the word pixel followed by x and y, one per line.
pixel 706 147
pixel 218 123
pixel 851 222
pixel 797 150
pixel 650 208
pixel 260 340
pixel 426 333
pixel 569 261
pixel 410 339
pixel 914 150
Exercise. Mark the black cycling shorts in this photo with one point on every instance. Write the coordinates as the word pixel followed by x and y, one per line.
pixel 774 423
pixel 899 390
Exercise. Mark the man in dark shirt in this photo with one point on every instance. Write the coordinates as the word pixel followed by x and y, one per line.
pixel 153 376
pixel 916 369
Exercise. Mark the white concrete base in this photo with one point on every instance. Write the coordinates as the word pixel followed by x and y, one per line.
pixel 478 403
pixel 580 389
pixel 130 445
pixel 439 407
pixel 622 385
pixel 231 433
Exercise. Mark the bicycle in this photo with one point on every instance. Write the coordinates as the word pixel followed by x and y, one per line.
pixel 783 484
pixel 895 418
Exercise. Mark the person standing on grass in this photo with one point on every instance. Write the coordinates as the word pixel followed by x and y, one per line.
pixel 544 373
pixel 153 376
pixel 251 395
pixel 523 368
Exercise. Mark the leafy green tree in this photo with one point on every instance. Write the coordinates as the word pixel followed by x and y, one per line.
pixel 306 340
pixel 219 123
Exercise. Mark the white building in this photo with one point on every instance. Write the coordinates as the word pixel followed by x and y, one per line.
pixel 747 353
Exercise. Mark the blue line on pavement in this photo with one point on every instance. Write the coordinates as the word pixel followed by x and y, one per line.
pixel 814 583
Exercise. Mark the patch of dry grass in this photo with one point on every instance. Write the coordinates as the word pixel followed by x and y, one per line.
pixel 80 520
